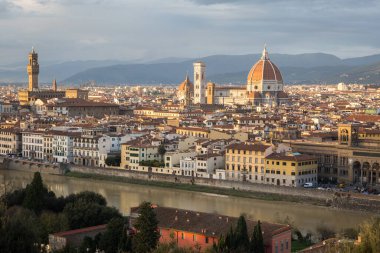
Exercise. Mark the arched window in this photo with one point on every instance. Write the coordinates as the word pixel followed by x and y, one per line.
pixel 344 135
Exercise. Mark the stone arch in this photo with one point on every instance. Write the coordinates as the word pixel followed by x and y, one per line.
pixel 356 167
pixel 366 167
pixel 375 173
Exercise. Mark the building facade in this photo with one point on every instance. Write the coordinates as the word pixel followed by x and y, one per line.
pixel 135 151
pixel 10 141
pixel 291 169
pixel 354 158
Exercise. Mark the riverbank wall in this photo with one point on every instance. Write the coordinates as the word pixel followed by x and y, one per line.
pixel 32 166
pixel 352 201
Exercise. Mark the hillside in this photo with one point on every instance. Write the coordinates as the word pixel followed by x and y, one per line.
pixel 301 68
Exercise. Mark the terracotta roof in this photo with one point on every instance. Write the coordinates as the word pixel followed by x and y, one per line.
pixel 264 69
pixel 76 102
pixel 249 147
pixel 363 118
pixel 81 230
pixel 297 158
pixel 209 224
pixel 186 85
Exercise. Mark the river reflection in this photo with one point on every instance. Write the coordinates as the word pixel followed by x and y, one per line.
pixel 124 196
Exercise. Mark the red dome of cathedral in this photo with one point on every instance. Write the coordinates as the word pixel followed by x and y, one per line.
pixel 186 84
pixel 264 70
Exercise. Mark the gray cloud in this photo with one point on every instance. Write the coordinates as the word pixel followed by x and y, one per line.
pixel 146 29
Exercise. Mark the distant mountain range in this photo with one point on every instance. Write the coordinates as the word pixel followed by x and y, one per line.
pixel 302 68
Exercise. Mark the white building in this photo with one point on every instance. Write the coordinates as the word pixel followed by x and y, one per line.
pixel 206 165
pixel 63 143
pixel 110 145
pixel 173 159
pixel 187 166
pixel 32 145
pixel 342 87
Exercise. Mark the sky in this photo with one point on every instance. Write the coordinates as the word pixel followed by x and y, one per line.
pixel 130 30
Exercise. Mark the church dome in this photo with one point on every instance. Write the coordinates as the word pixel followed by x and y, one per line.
pixel 264 70
pixel 186 85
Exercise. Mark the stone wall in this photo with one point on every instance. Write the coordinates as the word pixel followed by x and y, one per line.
pixel 343 200
pixel 32 166
pixel 246 186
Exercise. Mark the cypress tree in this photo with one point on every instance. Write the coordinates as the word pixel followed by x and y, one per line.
pixel 230 241
pixel 241 235
pixel 35 194
pixel 257 241
pixel 147 236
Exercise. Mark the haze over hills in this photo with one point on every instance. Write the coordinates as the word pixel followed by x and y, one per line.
pixel 302 68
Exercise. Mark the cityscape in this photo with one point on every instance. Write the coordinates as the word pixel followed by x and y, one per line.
pixel 228 153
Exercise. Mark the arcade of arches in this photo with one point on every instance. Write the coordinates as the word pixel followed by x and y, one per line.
pixel 366 172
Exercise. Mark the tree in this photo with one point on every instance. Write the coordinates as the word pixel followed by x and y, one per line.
pixel 350 233
pixel 241 235
pixel 230 242
pixel 115 238
pixel 370 236
pixel 35 194
pixel 147 236
pixel 15 198
pixel 53 222
pixel 88 245
pixel 113 160
pixel 20 230
pixel 172 247
pixel 257 240
pixel 325 233
pixel 82 214
pixel 87 197
pixel 161 151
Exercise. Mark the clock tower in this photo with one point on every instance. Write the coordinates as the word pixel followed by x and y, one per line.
pixel 33 70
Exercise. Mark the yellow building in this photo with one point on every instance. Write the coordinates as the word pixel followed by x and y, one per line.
pixel 290 170
pixel 193 131
pixel 76 93
pixel 245 161
pixel 353 158
pixel 136 151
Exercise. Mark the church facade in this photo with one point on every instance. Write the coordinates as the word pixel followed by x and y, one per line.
pixel 264 87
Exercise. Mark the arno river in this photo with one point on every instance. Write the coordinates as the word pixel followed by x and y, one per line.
pixel 123 196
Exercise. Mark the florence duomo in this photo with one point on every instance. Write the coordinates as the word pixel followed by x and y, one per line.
pixel 264 87
pixel 151 126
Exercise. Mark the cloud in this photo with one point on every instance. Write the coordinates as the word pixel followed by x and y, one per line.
pixel 131 29
pixel 5 8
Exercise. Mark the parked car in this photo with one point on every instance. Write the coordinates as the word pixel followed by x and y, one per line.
pixel 308 185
